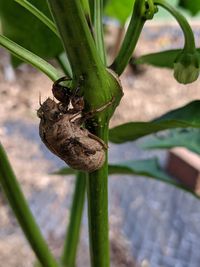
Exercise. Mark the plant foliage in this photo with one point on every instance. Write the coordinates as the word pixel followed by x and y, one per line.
pixel 22 27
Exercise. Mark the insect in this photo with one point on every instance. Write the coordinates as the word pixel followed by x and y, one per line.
pixel 61 129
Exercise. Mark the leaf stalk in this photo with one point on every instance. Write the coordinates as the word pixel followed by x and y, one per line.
pixel 132 35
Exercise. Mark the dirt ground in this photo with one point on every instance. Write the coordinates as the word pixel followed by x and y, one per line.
pixel 147 94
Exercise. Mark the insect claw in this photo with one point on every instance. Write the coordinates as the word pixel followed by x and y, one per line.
pixel 62 79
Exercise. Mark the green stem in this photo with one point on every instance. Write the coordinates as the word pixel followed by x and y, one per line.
pixel 41 16
pixel 21 209
pixel 87 66
pixel 105 3
pixel 30 58
pixel 64 64
pixel 73 232
pixel 98 87
pixel 188 33
pixel 76 37
pixel 133 32
pixel 86 8
pixel 97 192
pixel 98 29
pixel 91 5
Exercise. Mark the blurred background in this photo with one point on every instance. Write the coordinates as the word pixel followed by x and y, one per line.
pixel 151 224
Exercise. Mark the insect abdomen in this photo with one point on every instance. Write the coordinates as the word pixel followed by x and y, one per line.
pixel 83 156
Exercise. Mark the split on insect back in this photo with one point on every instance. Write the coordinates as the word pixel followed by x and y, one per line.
pixel 61 129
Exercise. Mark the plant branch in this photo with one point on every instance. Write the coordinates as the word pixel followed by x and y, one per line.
pixel 98 87
pixel 30 58
pixel 87 67
pixel 21 209
pixel 73 232
pixel 77 38
pixel 140 14
pixel 64 64
pixel 98 29
pixel 86 7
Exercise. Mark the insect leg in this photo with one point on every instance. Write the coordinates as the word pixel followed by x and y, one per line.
pixel 93 136
pixel 90 114
pixel 62 79
pixel 74 116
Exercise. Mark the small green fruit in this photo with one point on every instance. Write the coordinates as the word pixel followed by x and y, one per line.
pixel 187 67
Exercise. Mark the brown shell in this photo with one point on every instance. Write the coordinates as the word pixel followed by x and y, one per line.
pixel 68 140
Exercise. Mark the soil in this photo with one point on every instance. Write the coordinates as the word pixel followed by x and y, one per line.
pixel 147 94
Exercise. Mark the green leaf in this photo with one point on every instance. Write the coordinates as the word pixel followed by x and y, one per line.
pixel 192 5
pixel 188 138
pixel 147 167
pixel 37 13
pixel 164 59
pixel 186 116
pixel 24 28
pixel 119 10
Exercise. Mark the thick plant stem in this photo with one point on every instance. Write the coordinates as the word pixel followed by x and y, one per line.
pixel 76 37
pixel 87 67
pixel 86 8
pixel 21 209
pixel 98 87
pixel 97 192
pixel 73 232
